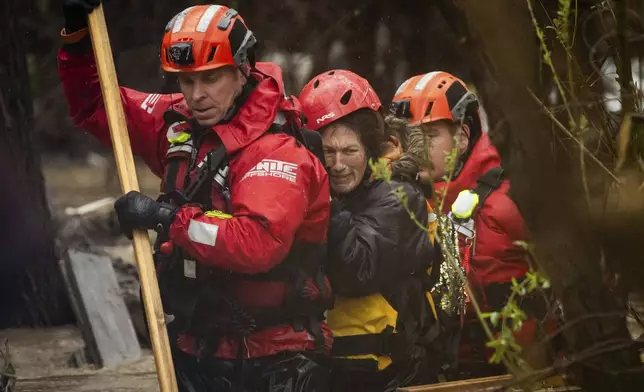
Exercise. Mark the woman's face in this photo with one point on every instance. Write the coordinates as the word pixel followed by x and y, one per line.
pixel 346 157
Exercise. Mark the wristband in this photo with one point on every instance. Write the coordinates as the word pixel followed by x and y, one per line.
pixel 74 37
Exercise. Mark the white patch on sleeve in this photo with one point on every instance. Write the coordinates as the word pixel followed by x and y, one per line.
pixel 203 233
pixel 273 168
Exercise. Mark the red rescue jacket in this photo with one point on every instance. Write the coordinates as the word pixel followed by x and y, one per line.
pixel 498 222
pixel 270 213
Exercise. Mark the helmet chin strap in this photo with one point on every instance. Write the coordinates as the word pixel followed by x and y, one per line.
pixel 459 165
pixel 472 140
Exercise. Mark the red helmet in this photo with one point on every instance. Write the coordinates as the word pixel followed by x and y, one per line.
pixel 334 94
pixel 206 37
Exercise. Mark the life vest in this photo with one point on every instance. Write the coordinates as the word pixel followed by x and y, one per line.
pixel 462 218
pixel 463 212
pixel 467 203
pixel 198 299
pixel 366 329
pixel 458 232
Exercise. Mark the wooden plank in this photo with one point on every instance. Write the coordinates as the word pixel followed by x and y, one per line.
pixel 102 316
pixel 474 384
pixel 551 384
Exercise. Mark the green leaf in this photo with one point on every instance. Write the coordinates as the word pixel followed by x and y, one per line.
pixel 494 318
pixel 519 314
pixel 517 324
pixel 515 285
pixel 380 170
pixel 532 282
pixel 515 346
pixel 494 343
pixel 522 244
pixel 495 358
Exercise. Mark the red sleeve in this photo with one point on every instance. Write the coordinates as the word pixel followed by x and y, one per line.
pixel 267 210
pixel 143 112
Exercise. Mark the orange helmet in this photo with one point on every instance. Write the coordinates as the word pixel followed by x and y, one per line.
pixel 434 96
pixel 206 37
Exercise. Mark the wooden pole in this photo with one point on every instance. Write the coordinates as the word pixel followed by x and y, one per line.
pixel 129 182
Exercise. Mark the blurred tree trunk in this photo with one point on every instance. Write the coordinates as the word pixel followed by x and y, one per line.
pixel 31 289
pixel 544 167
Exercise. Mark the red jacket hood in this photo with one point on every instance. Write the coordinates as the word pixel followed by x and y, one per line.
pixel 483 157
pixel 257 114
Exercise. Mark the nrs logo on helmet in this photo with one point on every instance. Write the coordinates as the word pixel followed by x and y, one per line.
pixel 325 117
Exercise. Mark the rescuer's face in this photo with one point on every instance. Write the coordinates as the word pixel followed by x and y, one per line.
pixel 442 137
pixel 210 94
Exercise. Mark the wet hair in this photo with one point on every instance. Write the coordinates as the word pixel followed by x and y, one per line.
pixel 370 127
pixel 413 142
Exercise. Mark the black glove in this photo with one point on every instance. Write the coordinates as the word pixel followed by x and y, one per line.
pixel 75 12
pixel 137 211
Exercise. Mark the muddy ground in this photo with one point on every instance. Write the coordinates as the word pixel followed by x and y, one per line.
pixel 73 183
pixel 41 356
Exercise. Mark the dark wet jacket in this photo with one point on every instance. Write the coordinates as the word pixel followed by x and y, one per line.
pixel 373 242
pixel 378 262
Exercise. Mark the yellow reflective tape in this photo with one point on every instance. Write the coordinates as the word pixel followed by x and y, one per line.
pixel 465 204
pixel 180 137
pixel 217 214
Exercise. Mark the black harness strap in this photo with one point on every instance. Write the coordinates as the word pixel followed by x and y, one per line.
pixel 214 161
pixel 170 181
pixel 488 182
pixel 313 141
pixel 378 344
pixel 309 139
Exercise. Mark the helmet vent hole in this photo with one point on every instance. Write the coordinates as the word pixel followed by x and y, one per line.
pixel 429 109
pixel 332 73
pixel 346 97
pixel 442 84
pixel 211 55
pixel 316 84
